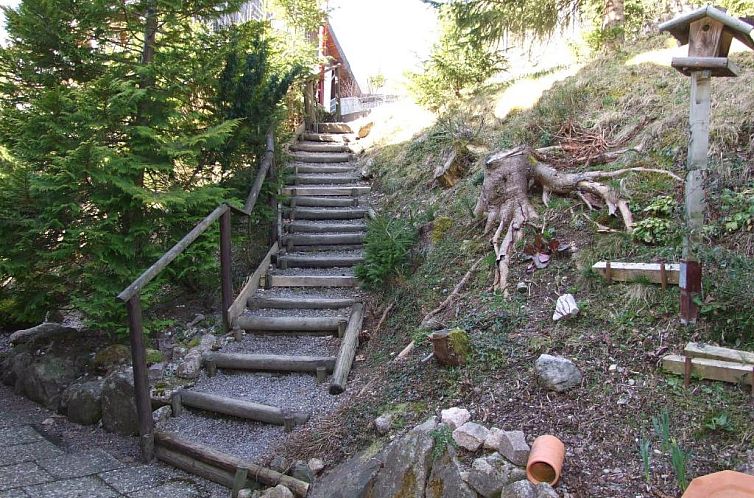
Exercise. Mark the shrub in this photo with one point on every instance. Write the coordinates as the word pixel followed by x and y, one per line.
pixel 386 249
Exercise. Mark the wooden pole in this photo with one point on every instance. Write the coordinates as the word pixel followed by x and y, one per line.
pixel 347 352
pixel 691 270
pixel 226 275
pixel 141 384
pixel 338 109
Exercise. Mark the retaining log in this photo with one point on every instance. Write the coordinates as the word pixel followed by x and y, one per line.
pixel 299 303
pixel 315 261
pixel 328 214
pixel 304 201
pixel 332 179
pixel 324 238
pixel 329 137
pixel 326 190
pixel 289 323
pixel 309 227
pixel 347 351
pixel 269 362
pixel 313 281
pixel 238 408
pixel 321 157
pixel 314 168
pixel 319 147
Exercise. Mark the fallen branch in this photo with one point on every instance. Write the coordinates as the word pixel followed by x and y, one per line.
pixel 383 317
pixel 453 295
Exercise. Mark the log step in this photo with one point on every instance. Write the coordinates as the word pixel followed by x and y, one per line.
pixel 329 137
pixel 315 261
pixel 335 128
pixel 314 324
pixel 269 362
pixel 304 302
pixel 312 281
pixel 328 214
pixel 322 238
pixel 240 408
pixel 333 179
pixel 320 248
pixel 313 227
pixel 320 168
pixel 329 190
pixel 319 147
pixel 312 201
pixel 322 157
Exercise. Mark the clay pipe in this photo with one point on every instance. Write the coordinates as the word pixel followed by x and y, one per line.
pixel 545 460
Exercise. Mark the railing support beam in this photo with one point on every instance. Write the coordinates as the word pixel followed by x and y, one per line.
pixel 226 274
pixel 141 383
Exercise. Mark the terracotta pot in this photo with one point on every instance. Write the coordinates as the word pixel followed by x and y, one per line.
pixel 725 484
pixel 545 460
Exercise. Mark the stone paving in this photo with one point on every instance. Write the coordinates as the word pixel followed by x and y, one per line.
pixel 33 466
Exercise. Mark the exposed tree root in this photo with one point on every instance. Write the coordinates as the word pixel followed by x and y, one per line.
pixel 504 198
pixel 432 315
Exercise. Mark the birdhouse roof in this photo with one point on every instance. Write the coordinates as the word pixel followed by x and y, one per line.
pixel 679 27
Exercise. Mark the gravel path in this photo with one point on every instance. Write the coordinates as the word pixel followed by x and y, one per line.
pixel 314 313
pixel 339 272
pixel 308 292
pixel 285 345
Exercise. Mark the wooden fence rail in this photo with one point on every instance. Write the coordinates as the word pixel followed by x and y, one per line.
pixel 131 294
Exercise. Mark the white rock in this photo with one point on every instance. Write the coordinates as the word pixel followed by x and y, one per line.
pixel 565 307
pixel 316 465
pixel 278 491
pixel 470 436
pixel 455 417
pixel 382 424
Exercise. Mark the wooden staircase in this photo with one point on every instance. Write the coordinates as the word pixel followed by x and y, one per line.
pixel 304 294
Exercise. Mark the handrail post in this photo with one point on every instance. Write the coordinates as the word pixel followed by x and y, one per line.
pixel 141 384
pixel 273 175
pixel 225 268
pixel 338 109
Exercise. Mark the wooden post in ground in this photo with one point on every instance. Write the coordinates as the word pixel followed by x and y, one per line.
pixel 225 268
pixel 141 384
pixel 691 267
pixel 338 109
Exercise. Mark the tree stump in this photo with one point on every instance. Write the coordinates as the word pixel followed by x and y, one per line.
pixel 450 347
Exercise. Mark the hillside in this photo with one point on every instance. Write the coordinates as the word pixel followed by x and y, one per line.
pixel 622 331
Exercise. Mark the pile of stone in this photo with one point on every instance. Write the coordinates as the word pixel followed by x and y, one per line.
pixel 424 463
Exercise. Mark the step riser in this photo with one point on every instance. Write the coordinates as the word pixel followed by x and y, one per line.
pixel 329 239
pixel 290 324
pixel 296 303
pixel 328 137
pixel 322 202
pixel 335 128
pixel 323 180
pixel 311 281
pixel 314 169
pixel 295 227
pixel 322 157
pixel 321 147
pixel 311 214
pixel 236 408
pixel 270 363
pixel 327 191
pixel 325 248
pixel 302 262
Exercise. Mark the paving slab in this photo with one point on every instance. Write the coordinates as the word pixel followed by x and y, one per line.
pixel 132 479
pixel 175 489
pixel 28 452
pixel 14 493
pixel 11 436
pixel 80 464
pixel 22 474
pixel 82 487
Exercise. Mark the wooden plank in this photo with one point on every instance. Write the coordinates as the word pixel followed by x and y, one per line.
pixel 704 368
pixel 229 463
pixel 632 272
pixel 252 284
pixel 701 350
pixel 312 281
pixel 269 362
pixel 717 66
pixel 237 408
pixel 347 351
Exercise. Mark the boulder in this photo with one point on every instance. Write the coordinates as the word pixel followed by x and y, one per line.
pixel 302 472
pixel 82 403
pixel 556 373
pixel 525 489
pixel 118 403
pixel 112 357
pixel 45 379
pixel 161 416
pixel 42 331
pixel 455 417
pixel 13 368
pixel 278 491
pixel 156 371
pixel 354 478
pixel 407 464
pixel 190 365
pixel 494 439
pixel 383 423
pixel 470 436
pixel 513 446
pixel 445 480
pixel 490 474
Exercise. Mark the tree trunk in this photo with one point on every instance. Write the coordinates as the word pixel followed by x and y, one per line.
pixel 612 22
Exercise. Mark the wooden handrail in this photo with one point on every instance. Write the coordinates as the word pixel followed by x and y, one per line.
pixel 131 294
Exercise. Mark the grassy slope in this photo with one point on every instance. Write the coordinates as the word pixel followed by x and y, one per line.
pixel 623 326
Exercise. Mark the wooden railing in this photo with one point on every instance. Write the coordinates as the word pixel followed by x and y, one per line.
pixel 310 92
pixel 131 294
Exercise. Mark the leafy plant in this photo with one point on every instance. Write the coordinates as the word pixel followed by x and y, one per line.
pixel 661 426
pixel 443 438
pixel 719 422
pixel 739 209
pixel 663 205
pixel 645 450
pixel 386 249
pixel 651 230
pixel 679 461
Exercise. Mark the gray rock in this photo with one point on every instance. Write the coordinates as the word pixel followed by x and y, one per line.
pixel 156 371
pixel 455 417
pixel 513 446
pixel 407 464
pixel 556 373
pixel 207 343
pixel 525 489
pixel 246 493
pixel 161 416
pixel 118 404
pixel 45 380
pixel 302 472
pixel 494 439
pixel 280 464
pixel 278 491
pixel 41 331
pixel 382 424
pixel 82 403
pixel 445 480
pixel 489 475
pixel 190 365
pixel 470 436
pixel 354 478
pixel 316 465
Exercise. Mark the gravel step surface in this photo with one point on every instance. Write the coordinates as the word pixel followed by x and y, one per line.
pixel 285 345
pixel 327 254
pixel 315 272
pixel 307 292
pixel 298 313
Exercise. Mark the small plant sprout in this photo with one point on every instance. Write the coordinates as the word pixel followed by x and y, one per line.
pixel 645 448
pixel 679 459
pixel 661 425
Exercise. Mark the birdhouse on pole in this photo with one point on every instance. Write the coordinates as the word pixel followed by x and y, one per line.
pixel 709 33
